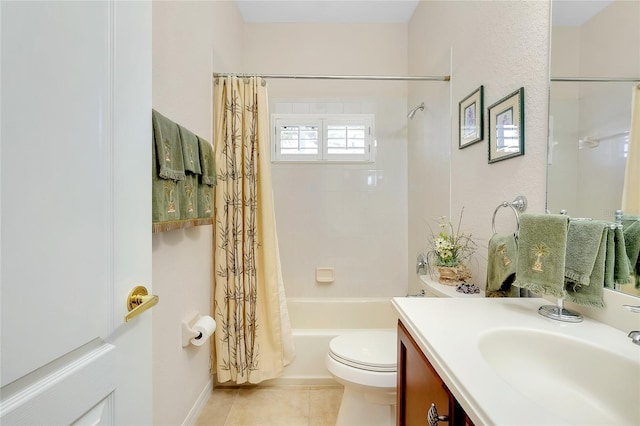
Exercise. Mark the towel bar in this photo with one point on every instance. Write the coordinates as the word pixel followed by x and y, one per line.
pixel 519 204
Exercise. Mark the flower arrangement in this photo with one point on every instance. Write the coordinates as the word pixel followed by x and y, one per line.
pixel 451 248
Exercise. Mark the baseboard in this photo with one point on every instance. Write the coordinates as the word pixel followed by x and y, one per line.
pixel 310 382
pixel 199 404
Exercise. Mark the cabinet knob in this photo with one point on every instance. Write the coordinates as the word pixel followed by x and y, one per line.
pixel 433 418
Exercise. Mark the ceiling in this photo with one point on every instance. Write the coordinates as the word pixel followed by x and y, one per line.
pixel 565 12
pixel 327 11
pixel 573 13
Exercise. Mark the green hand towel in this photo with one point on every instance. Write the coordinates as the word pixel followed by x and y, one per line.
pixel 168 147
pixel 631 232
pixel 591 295
pixel 207 162
pixel 622 272
pixel 190 151
pixel 542 242
pixel 207 180
pixel 610 260
pixel 583 244
pixel 501 266
pixel 165 205
pixel 188 190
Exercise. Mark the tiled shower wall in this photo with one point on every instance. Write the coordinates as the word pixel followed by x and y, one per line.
pixel 350 217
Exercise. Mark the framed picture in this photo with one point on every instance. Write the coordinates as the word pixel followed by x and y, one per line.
pixel 506 127
pixel 470 117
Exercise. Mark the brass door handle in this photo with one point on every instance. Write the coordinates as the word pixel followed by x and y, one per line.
pixel 139 300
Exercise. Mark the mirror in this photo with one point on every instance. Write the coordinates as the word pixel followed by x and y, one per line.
pixel 589 121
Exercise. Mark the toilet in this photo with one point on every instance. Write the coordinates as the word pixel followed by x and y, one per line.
pixel 365 363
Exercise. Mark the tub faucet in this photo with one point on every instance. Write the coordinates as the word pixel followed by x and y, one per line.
pixel 634 335
pixel 421 264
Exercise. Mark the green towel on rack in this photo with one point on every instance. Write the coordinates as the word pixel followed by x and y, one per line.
pixel 542 243
pixel 165 205
pixel 621 271
pixel 610 260
pixel 207 180
pixel 631 234
pixel 190 151
pixel 207 162
pixel 592 294
pixel 583 244
pixel 188 192
pixel 501 266
pixel 168 147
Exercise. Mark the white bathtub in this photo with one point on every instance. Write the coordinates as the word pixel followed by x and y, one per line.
pixel 316 321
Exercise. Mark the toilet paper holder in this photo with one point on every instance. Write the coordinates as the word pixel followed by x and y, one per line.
pixel 188 332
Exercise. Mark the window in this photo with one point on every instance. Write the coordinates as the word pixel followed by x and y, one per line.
pixel 323 138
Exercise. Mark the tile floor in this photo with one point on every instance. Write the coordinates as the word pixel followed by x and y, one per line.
pixel 267 406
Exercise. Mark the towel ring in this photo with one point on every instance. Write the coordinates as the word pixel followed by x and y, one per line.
pixel 519 204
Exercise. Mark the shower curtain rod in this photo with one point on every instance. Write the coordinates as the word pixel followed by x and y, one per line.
pixel 340 77
pixel 597 79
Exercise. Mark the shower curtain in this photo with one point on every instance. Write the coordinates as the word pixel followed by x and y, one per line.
pixel 253 339
pixel 631 189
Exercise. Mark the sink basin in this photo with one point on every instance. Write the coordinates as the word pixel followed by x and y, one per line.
pixel 573 380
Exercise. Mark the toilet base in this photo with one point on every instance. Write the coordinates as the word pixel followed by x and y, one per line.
pixel 363 408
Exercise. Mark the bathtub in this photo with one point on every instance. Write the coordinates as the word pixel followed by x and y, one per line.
pixel 315 321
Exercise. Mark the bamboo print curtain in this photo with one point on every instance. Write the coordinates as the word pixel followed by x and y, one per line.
pixel 253 340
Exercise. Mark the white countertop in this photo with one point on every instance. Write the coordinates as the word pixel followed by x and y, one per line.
pixel 448 331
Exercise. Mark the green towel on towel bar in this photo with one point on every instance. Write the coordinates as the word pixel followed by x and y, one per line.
pixel 592 294
pixel 542 242
pixel 168 147
pixel 207 162
pixel 190 151
pixel 164 199
pixel 188 190
pixel 631 233
pixel 610 260
pixel 583 244
pixel 207 180
pixel 621 271
pixel 501 266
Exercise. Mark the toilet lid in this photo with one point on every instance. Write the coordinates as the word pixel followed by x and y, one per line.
pixel 369 350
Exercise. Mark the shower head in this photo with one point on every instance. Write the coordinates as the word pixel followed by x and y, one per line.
pixel 413 111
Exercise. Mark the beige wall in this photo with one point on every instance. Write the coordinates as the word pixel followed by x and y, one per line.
pixel 190 41
pixel 503 46
pixel 351 217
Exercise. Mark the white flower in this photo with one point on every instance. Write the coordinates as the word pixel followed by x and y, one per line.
pixel 449 246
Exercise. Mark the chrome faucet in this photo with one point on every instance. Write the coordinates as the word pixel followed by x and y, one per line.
pixel 422 265
pixel 634 335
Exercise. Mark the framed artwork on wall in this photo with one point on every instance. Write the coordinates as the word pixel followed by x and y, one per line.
pixel 470 117
pixel 506 127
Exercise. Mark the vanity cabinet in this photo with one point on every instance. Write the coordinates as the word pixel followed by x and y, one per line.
pixel 419 386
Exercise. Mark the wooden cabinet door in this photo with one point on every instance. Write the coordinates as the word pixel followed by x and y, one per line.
pixel 418 384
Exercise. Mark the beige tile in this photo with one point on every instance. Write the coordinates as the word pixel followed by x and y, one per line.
pixel 270 406
pixel 324 405
pixel 217 409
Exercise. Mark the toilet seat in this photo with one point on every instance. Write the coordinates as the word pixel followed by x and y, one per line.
pixel 373 350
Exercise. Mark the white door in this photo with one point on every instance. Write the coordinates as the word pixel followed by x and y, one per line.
pixel 74 211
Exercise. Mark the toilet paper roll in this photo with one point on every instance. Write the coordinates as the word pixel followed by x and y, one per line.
pixel 205 326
